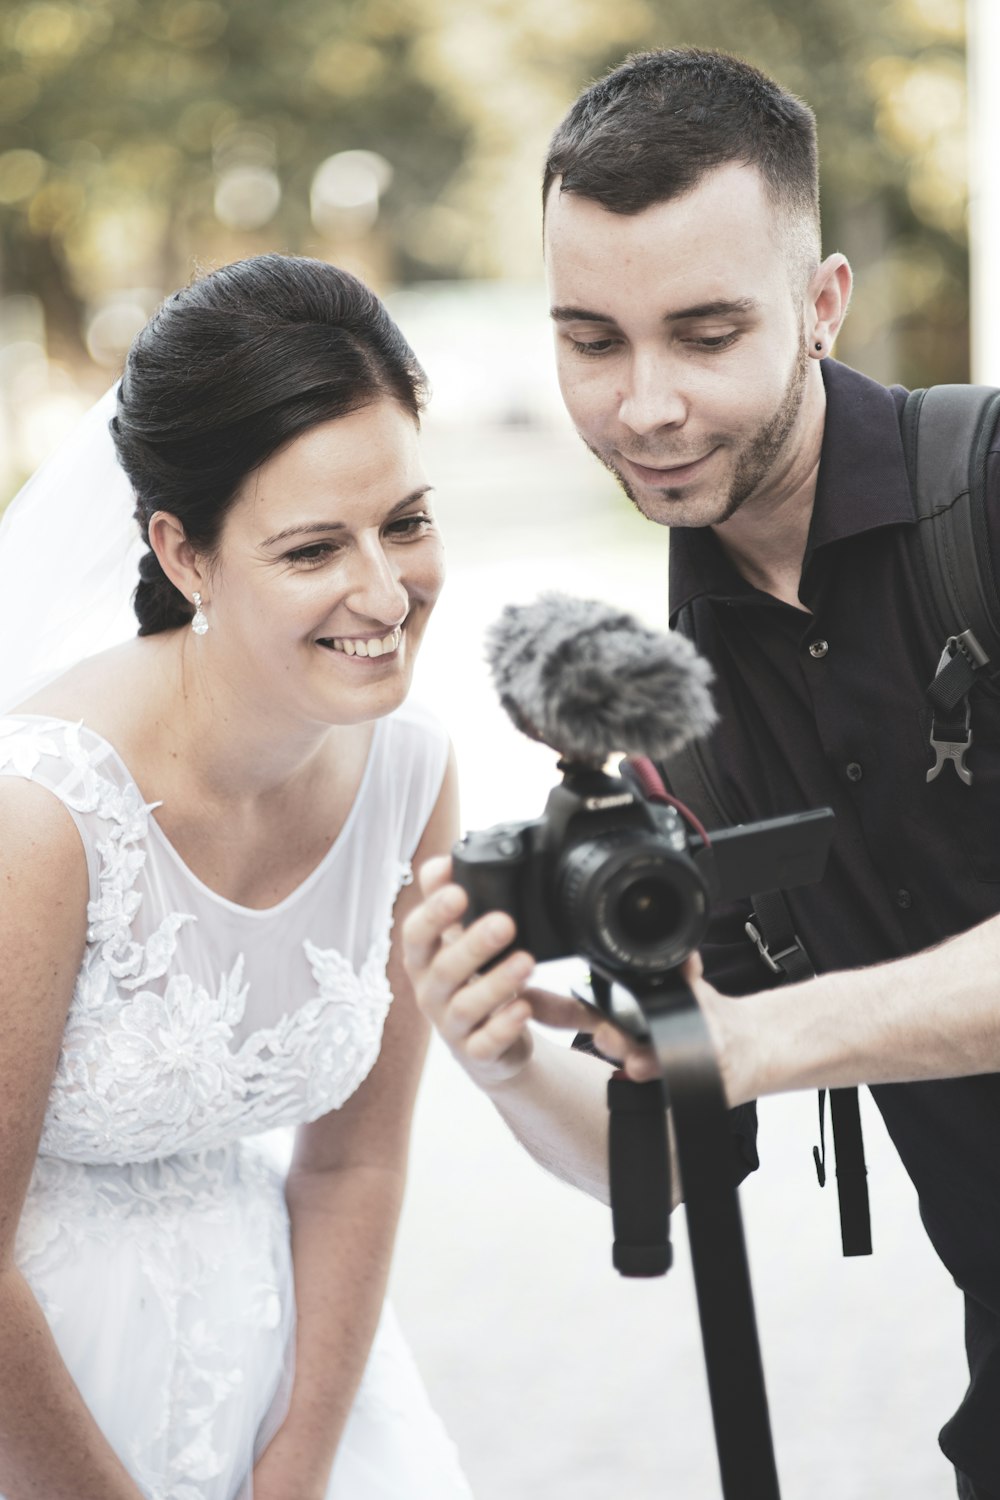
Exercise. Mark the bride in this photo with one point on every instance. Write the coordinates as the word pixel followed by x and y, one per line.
pixel 206 837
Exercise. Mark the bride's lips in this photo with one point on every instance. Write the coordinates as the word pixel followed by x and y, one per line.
pixel 668 477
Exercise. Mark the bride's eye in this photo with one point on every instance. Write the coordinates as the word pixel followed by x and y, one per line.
pixel 315 552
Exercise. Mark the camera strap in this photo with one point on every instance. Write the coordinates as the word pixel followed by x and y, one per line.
pixel 772 930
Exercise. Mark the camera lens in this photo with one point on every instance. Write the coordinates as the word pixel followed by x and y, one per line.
pixel 648 908
pixel 629 900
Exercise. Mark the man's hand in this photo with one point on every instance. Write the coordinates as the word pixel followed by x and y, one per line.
pixel 639 1060
pixel 483 1017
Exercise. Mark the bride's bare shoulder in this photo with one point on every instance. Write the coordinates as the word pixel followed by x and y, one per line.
pixel 106 691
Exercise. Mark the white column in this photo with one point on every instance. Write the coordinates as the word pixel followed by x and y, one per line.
pixel 984 187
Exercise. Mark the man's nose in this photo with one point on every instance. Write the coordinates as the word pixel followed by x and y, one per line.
pixel 377 591
pixel 652 398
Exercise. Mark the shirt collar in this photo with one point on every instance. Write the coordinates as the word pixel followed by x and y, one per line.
pixel 861 485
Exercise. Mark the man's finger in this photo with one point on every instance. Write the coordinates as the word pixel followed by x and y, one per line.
pixel 428 922
pixel 455 964
pixel 693 967
pixel 475 1003
pixel 498 1033
pixel 434 873
pixel 559 1010
pixel 637 1058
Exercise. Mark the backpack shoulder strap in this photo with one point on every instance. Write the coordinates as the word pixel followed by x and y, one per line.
pixel 947 431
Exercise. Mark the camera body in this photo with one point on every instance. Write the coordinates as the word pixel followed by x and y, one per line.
pixel 622 881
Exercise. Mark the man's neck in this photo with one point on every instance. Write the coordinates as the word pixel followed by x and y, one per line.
pixel 766 538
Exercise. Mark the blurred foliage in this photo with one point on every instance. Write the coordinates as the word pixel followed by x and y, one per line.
pixel 128 127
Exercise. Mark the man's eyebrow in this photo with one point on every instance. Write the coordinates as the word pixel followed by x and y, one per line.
pixel 578 315
pixel 720 308
pixel 311 528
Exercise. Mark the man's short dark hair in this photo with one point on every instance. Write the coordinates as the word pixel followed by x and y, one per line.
pixel 652 128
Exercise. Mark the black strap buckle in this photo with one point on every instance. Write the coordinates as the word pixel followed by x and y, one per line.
pixel 948 694
pixel 774 961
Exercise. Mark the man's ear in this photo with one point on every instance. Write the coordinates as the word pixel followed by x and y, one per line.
pixel 827 297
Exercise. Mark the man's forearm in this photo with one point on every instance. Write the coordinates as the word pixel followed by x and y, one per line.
pixel 556 1106
pixel 932 1015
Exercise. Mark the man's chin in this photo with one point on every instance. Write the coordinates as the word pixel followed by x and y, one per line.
pixel 673 505
pixel 663 504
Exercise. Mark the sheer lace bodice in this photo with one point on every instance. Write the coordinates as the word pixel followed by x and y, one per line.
pixel 164 1049
pixel 154 1233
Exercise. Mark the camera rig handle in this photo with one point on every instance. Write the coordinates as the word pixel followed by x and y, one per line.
pixel 692 1086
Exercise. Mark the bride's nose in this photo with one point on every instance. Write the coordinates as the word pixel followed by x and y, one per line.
pixel 376 590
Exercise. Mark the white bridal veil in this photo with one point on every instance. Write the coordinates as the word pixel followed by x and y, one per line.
pixel 69 560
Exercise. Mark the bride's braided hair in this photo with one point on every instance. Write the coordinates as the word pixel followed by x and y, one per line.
pixel 226 372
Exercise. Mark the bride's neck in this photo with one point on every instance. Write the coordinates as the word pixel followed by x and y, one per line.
pixel 237 747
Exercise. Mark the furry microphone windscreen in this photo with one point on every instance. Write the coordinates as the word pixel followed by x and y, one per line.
pixel 589 679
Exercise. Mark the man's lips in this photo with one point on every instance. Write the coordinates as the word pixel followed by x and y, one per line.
pixel 668 476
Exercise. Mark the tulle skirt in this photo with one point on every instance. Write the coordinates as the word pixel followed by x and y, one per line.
pixel 168 1287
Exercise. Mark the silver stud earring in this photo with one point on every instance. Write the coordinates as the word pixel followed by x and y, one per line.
pixel 199 623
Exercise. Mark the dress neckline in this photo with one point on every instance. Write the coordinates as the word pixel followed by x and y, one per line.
pixel 255 912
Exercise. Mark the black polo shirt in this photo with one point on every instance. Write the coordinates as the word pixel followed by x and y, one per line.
pixel 827 708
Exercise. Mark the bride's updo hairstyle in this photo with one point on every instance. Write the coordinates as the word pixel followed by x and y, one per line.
pixel 229 370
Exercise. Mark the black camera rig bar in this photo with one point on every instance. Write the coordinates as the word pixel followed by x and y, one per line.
pixel 640 1201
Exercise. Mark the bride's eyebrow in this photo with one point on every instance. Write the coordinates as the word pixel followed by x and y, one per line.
pixel 310 528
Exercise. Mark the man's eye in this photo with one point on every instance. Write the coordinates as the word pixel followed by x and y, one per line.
pixel 714 341
pixel 593 347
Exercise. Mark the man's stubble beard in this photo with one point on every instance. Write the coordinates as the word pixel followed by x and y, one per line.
pixel 759 456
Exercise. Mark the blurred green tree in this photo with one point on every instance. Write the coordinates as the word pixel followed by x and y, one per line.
pixel 140 137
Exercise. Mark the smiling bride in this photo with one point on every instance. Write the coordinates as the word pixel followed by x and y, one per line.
pixel 206 837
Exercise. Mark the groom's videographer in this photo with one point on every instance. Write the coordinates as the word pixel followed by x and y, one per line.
pixel 694 316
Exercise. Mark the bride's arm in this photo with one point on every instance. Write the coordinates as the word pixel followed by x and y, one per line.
pixel 344 1192
pixel 50 1445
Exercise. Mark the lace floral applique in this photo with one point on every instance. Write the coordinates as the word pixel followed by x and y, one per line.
pixel 171 1053
pixel 319 1053
pixel 23 751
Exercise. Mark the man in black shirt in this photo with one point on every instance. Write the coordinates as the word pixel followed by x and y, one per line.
pixel 694 318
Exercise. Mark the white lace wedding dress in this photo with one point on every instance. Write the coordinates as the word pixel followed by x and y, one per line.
pixel 155 1234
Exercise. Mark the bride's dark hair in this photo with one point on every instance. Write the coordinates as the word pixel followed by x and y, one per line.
pixel 226 372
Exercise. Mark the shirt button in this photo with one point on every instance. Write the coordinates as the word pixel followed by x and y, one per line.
pixel 904 899
pixel 819 648
pixel 854 771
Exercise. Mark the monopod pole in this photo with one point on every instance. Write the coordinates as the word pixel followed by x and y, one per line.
pixel 693 1090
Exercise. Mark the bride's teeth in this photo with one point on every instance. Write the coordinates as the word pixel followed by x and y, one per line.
pixel 383 647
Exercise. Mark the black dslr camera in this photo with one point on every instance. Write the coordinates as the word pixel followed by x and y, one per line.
pixel 622 881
